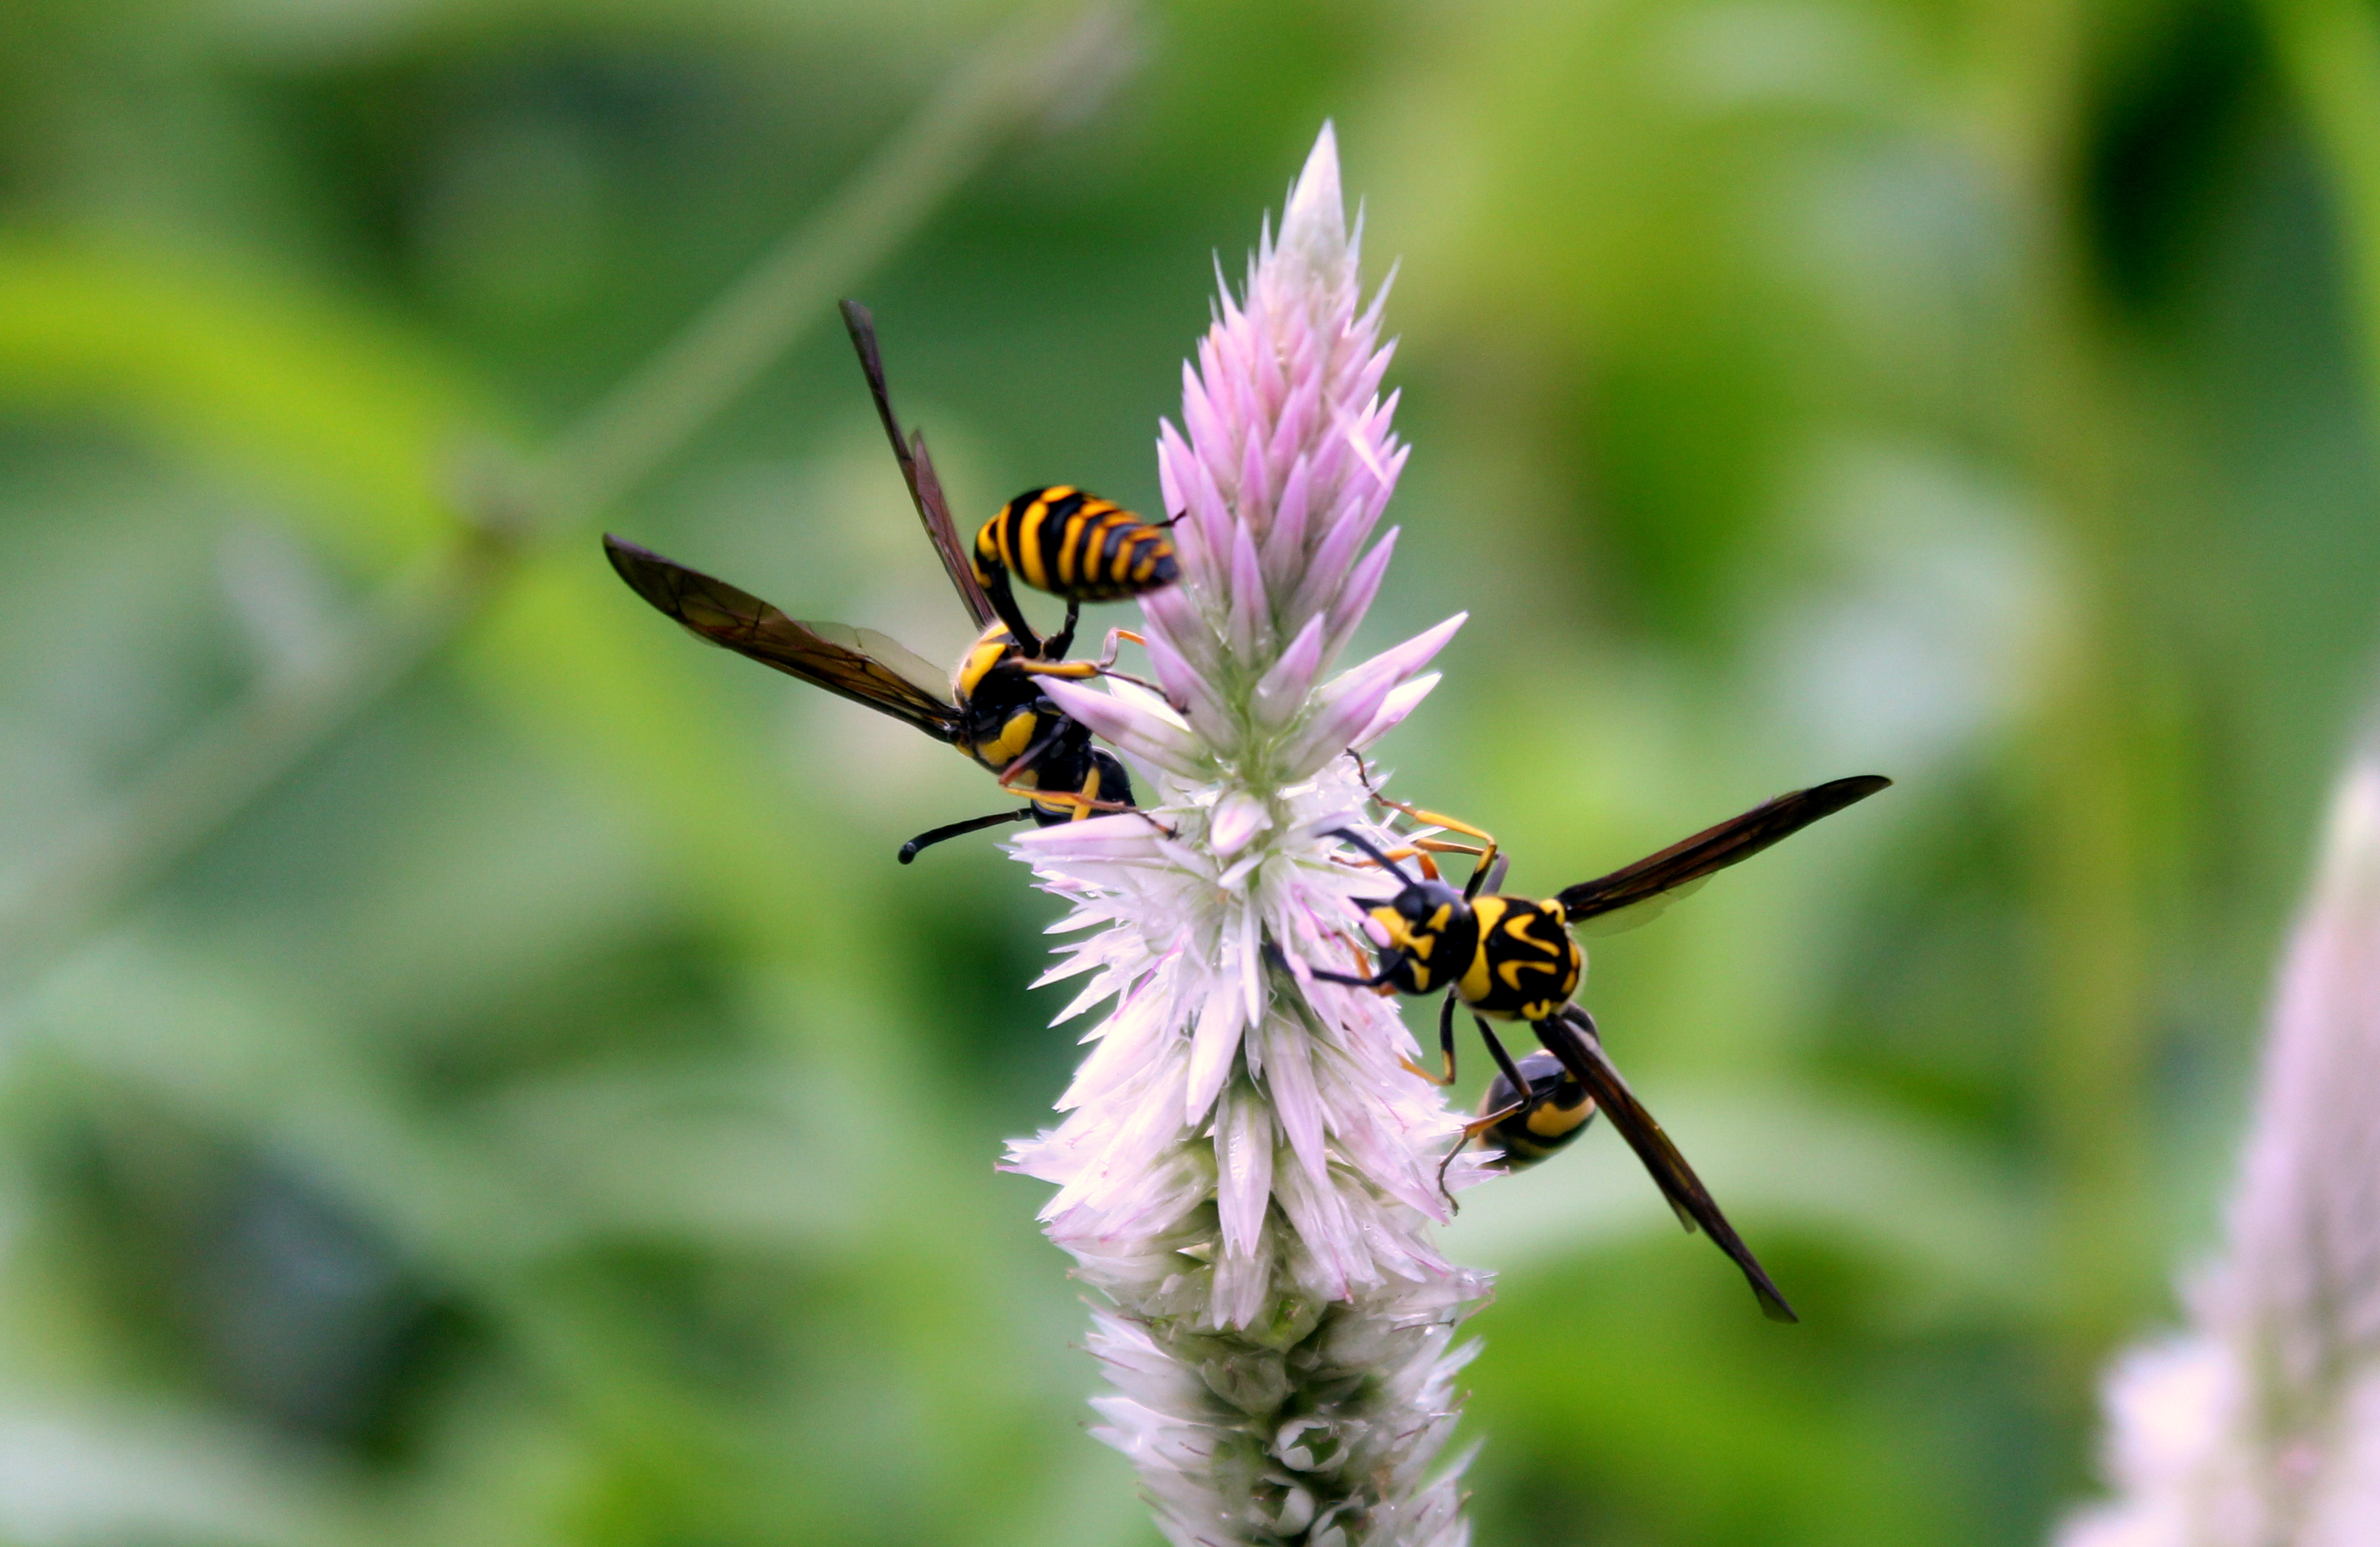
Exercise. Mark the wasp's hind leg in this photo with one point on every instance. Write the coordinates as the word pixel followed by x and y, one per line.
pixel 1470 1136
pixel 1477 1126
pixel 929 838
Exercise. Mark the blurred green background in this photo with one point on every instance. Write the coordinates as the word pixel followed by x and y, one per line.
pixel 473 1072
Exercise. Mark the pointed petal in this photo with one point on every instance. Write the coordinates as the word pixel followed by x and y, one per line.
pixel 1133 728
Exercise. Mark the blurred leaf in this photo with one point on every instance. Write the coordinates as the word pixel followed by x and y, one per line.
pixel 360 426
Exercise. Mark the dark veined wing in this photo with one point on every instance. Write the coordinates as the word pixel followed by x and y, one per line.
pixel 918 470
pixel 1573 1039
pixel 857 663
pixel 1635 893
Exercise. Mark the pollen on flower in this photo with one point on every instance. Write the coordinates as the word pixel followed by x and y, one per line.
pixel 1247 1167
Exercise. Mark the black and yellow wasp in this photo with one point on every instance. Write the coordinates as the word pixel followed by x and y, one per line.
pixel 990 707
pixel 1071 545
pixel 1514 958
pixel 1532 1120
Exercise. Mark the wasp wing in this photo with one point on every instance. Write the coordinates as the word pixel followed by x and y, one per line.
pixel 1573 1039
pixel 1635 893
pixel 856 664
pixel 918 471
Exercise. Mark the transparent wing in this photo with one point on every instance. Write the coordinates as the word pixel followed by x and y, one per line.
pixel 888 653
pixel 918 471
pixel 863 666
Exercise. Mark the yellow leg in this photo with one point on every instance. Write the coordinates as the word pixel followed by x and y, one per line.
pixel 1487 852
pixel 1082 804
pixel 1103 666
pixel 1414 851
pixel 1471 1132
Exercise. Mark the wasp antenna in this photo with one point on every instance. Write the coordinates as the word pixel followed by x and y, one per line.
pixel 1365 844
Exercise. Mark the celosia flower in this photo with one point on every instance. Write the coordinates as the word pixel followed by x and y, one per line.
pixel 1247 1169
pixel 2260 1427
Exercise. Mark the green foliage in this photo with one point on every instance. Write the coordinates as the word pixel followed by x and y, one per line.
pixel 544 1113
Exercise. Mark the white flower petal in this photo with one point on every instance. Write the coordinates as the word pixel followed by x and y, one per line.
pixel 1238 817
pixel 1134 727
pixel 1242 1167
pixel 1213 1047
pixel 1401 701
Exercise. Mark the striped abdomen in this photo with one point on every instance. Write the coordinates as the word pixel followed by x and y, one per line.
pixel 1555 1110
pixel 1072 544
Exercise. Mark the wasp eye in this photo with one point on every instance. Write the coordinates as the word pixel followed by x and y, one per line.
pixel 1413 905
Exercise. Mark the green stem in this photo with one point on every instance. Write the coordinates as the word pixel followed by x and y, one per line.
pixel 101 862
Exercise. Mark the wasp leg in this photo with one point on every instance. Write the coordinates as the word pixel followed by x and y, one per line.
pixel 1057 644
pixel 960 829
pixel 1504 1065
pixel 1445 1045
pixel 1488 855
pixel 1272 954
pixel 1484 1124
pixel 1416 852
pixel 1081 804
pixel 1471 1132
pixel 1103 666
pixel 1076 798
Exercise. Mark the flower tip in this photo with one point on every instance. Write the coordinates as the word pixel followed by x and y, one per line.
pixel 1314 222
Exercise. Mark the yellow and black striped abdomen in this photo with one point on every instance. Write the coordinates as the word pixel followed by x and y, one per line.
pixel 1076 546
pixel 1554 1110
pixel 1525 967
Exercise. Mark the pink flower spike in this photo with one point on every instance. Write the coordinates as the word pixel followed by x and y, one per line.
pixel 1175 1195
pixel 2257 1423
pixel 1285 543
pixel 1188 690
pixel 1238 818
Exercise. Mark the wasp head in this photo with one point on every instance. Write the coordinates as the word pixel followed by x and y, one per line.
pixel 1431 933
